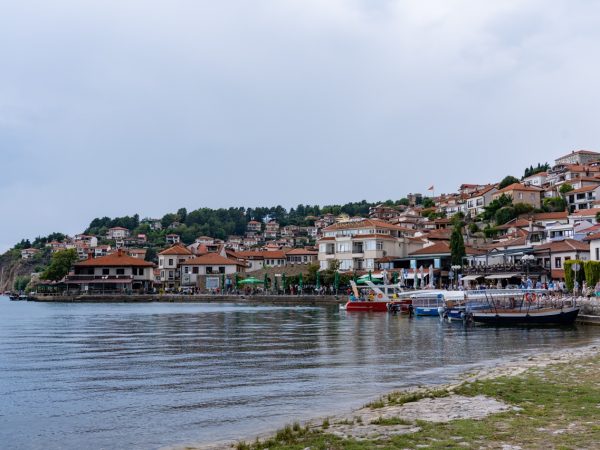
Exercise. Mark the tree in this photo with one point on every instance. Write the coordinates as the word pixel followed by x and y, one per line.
pixel 565 188
pixel 489 211
pixel 507 181
pixel 533 170
pixel 457 246
pixel 428 202
pixel 59 265
pixel 554 204
pixel 21 283
pixel 403 202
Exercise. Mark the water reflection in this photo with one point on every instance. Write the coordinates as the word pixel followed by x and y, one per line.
pixel 143 376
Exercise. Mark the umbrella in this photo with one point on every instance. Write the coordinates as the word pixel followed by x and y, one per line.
pixel 416 284
pixel 318 283
pixel 395 278
pixel 276 286
pixel 283 282
pixel 223 283
pixel 300 282
pixel 370 276
pixel 336 281
pixel 266 282
pixel 250 280
pixel 430 275
pixel 422 280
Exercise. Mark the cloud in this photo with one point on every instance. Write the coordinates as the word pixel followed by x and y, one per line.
pixel 119 107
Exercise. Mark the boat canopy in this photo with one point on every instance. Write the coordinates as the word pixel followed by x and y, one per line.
pixel 502 275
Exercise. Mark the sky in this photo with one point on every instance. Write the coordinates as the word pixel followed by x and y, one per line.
pixel 116 107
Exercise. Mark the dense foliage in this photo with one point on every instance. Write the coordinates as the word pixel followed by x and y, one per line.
pixel 457 246
pixel 59 265
pixel 537 169
pixel 507 181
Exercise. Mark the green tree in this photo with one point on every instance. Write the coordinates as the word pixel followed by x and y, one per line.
pixel 565 188
pixel 490 210
pixel 507 181
pixel 457 246
pixel 21 283
pixel 428 202
pixel 59 265
pixel 554 204
pixel 403 202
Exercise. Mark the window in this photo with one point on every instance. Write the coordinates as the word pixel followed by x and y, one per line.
pixel 105 271
pixel 379 245
pixel 170 261
pixel 209 270
pixel 120 271
pixel 597 253
pixel 195 269
pixel 221 269
pixel 186 269
pixel 557 262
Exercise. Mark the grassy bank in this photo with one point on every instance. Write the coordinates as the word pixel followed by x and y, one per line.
pixel 556 406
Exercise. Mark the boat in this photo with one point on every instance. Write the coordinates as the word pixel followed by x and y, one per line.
pixel 428 303
pixel 520 307
pixel 379 298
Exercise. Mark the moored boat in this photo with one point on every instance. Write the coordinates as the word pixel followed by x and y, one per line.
pixel 379 298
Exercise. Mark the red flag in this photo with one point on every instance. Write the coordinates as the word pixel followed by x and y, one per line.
pixel 431 188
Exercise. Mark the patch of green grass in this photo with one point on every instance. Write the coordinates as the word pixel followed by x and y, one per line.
pixel 390 421
pixel 325 424
pixel 558 407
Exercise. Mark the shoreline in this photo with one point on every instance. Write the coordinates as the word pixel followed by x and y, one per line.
pixel 342 423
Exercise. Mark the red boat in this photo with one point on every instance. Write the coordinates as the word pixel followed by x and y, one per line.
pixel 380 300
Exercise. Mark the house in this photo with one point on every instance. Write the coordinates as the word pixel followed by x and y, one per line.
pixel 195 271
pixel 383 212
pixel 205 240
pixel 357 244
pixel 90 241
pixel 537 179
pixel 271 229
pixel 114 273
pixel 578 157
pixel 139 253
pixel 479 199
pixel 554 254
pixel 118 233
pixel 594 242
pixel 154 224
pixel 299 256
pixel 169 261
pixel 172 239
pixel 254 226
pixel 27 253
pixel 101 250
pixel 582 198
pixel 520 193
pixel 290 230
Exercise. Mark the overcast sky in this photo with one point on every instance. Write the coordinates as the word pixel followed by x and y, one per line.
pixel 115 107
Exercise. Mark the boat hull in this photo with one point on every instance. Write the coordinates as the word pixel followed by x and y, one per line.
pixel 565 316
pixel 367 306
pixel 427 311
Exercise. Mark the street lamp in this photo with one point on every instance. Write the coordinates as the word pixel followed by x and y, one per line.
pixel 527 260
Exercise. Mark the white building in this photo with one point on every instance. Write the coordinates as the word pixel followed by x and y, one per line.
pixel 169 261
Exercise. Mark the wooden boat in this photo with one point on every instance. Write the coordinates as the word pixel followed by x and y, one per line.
pixel 520 307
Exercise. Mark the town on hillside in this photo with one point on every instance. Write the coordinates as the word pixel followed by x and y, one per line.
pixel 502 233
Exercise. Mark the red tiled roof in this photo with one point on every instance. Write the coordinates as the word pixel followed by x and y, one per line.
pixel 547 216
pixel 118 259
pixel 439 248
pixel 583 189
pixel 586 212
pixel 567 245
pixel 301 251
pixel 365 223
pixel 519 187
pixel 176 249
pixel 592 236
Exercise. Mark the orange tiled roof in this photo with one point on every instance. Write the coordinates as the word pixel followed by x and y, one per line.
pixel 176 249
pixel 114 260
pixel 365 223
pixel 439 248
pixel 519 187
pixel 567 245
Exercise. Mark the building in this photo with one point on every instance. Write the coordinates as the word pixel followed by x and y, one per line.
pixel 271 229
pixel 578 157
pixel 172 239
pixel 383 212
pixel 101 250
pixel 118 233
pixel 582 198
pixel 357 244
pixel 554 254
pixel 27 253
pixel 478 200
pixel 195 271
pixel 299 256
pixel 520 193
pixel 139 253
pixel 537 179
pixel 254 226
pixel 114 273
pixel 169 261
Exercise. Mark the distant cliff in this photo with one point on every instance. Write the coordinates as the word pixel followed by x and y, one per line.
pixel 12 266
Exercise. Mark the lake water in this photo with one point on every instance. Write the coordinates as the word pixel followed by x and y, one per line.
pixel 143 376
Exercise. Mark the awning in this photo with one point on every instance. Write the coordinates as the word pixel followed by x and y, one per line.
pixel 471 277
pixel 501 276
pixel 100 281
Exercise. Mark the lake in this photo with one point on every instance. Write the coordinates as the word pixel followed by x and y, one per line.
pixel 144 376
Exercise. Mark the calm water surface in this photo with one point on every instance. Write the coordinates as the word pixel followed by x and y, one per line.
pixel 112 376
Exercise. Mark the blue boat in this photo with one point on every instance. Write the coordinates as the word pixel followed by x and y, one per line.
pixel 429 303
